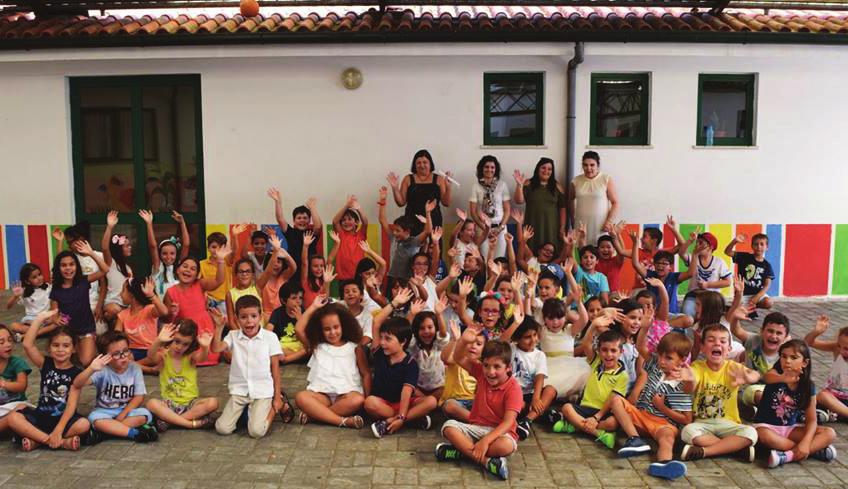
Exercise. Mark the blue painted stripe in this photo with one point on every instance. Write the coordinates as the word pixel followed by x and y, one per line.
pixel 773 255
pixel 279 231
pixel 656 226
pixel 16 252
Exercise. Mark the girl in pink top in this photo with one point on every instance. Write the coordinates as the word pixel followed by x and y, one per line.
pixel 187 299
pixel 138 321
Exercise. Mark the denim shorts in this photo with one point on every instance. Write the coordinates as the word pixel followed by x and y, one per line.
pixel 112 413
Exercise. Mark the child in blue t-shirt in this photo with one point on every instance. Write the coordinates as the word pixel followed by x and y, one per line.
pixel 593 282
pixel 120 392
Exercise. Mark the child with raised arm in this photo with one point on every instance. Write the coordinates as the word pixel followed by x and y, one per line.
pixel 54 422
pixel 706 272
pixel 138 320
pixel 490 435
pixel 429 338
pixel 284 319
pixel 790 394
pixel 315 276
pixel 117 250
pixel 833 399
pixel 254 380
pixel 339 378
pixel 246 283
pixel 120 392
pixel 181 404
pixel 33 292
pixel 460 386
pixel 659 404
pixel 70 296
pixel 404 244
pixel 282 268
pixel 649 244
pixel 165 254
pixel 304 218
pixel 662 269
pixel 351 227
pixel 217 298
pixel 755 270
pixel 717 429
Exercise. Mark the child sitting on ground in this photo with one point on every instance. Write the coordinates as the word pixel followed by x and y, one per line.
pixel 393 402
pixel 593 282
pixel 658 405
pixel 254 380
pixel 120 392
pixel 138 320
pixel 284 319
pixel 592 414
pixel 649 245
pixel 33 292
pixel 717 429
pixel 181 404
pixel 788 395
pixel 429 338
pixel 755 270
pixel 460 386
pixel 833 399
pixel 54 422
pixel 490 435
pixel 706 272
pixel 355 302
pixel 339 376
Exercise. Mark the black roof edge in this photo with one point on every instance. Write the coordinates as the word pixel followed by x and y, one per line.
pixel 217 39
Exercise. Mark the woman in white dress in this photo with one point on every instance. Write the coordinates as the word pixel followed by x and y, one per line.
pixel 592 199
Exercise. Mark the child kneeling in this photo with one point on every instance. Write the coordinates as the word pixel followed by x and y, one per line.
pixel 490 435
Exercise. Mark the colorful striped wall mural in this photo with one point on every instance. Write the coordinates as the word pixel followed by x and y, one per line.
pixel 808 259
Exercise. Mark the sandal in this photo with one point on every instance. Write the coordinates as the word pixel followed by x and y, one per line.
pixel 304 419
pixel 72 443
pixel 287 414
pixel 357 420
pixel 28 444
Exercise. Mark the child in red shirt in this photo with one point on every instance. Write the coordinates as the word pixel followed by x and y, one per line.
pixel 347 234
pixel 491 435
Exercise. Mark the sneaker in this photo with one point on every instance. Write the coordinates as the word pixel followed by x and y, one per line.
pixel 497 467
pixel 753 315
pixel 749 454
pixel 19 338
pixel 826 454
pixel 446 451
pixel 691 452
pixel 634 446
pixel 162 425
pixel 93 437
pixel 563 426
pixel 607 439
pixel 424 423
pixel 747 412
pixel 826 416
pixel 379 428
pixel 146 434
pixel 552 416
pixel 776 458
pixel 670 470
pixel 523 429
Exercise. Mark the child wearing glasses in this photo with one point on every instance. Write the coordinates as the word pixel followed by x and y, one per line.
pixel 246 283
pixel 120 392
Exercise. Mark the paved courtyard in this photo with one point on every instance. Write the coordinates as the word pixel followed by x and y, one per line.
pixel 315 456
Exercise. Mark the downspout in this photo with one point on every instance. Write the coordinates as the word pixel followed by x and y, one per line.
pixel 570 117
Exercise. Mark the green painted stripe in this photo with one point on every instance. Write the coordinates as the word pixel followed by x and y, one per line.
pixel 840 261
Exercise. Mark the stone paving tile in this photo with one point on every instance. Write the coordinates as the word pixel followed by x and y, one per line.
pixel 313 456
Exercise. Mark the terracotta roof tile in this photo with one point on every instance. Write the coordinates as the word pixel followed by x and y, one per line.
pixel 444 20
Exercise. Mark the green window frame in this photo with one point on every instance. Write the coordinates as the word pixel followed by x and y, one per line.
pixel 595 137
pixel 750 81
pixel 139 117
pixel 538 137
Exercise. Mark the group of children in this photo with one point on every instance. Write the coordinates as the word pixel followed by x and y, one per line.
pixel 496 343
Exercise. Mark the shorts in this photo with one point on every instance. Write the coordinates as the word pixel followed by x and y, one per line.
pixel 749 393
pixel 28 319
pixel 476 431
pixel 292 345
pixel 179 409
pixel 838 395
pixel 221 306
pixel 46 422
pixel 782 431
pixel 588 412
pixel 747 298
pixel 465 403
pixel 396 405
pixel 648 423
pixel 112 413
pixel 720 428
pixel 138 354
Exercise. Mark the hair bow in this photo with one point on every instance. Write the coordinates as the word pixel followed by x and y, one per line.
pixel 119 239
pixel 488 294
pixel 171 240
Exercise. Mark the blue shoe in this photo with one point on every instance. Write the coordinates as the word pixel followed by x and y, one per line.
pixel 634 446
pixel 776 458
pixel 826 454
pixel 670 470
pixel 379 429
pixel 497 467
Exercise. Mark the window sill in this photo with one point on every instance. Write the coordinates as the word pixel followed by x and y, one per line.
pixel 619 146
pixel 695 146
pixel 513 146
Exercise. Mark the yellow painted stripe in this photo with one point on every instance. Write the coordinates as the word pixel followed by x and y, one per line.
pixel 723 233
pixel 373 236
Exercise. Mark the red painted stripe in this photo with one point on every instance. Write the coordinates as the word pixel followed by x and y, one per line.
pixel 2 260
pixel 39 247
pixel 668 237
pixel 807 259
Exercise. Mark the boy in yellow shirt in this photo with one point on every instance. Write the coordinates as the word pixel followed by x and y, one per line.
pixel 717 429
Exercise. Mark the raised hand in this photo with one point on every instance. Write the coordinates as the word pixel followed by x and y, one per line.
pixel 519 177
pixel 671 222
pixel 430 206
pixel 602 323
pixel 58 234
pixel 441 304
pixel 146 216
pixel 466 285
pixel 471 332
pixel 329 274
pixel 382 194
pixel 392 179
pixel 495 268
pixel 311 202
pixel 99 362
pixel 741 238
pixel 417 306
pixel 240 228
pixel 568 264
pixel 473 250
pixel 455 270
pixel 634 237
pixel 47 315
pixel 402 297
pixel 518 280
pixel 655 282
pixel 528 232
pixel 508 237
pixel 518 315
pixel 112 219
pixel 17 288
pixel 205 340
pixel 436 234
pixel 822 323
pixel 320 301
pixel 274 194
pixel 335 236
pixel 421 219
pixel 365 247
pixel 739 285
pixel 355 205
pixel 176 216
pixel 624 293
pixel 517 216
pixel 461 214
pixel 148 288
pixel 276 244
pixel 83 248
pixel 453 327
pixel 308 238
pixel 167 333
pixel 223 252
pixel 694 234
pixel 217 318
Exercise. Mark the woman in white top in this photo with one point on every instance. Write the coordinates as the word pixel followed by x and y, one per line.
pixel 338 370
pixel 489 205
pixel 166 253
pixel 592 199
pixel 116 251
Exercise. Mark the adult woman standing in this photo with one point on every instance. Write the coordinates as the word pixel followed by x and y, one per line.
pixel 420 186
pixel 545 199
pixel 592 199
pixel 489 204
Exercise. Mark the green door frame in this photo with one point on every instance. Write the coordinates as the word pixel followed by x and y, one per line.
pixel 136 84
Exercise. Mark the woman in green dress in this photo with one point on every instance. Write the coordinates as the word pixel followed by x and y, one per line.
pixel 545 204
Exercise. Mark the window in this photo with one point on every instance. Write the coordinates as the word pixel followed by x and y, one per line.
pixel 726 110
pixel 137 144
pixel 619 112
pixel 513 104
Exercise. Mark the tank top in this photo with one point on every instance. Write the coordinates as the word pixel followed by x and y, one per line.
pixel 333 369
pixel 417 195
pixel 236 294
pixel 115 283
pixel 837 379
pixel 178 387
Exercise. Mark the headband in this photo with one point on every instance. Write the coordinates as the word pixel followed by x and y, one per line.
pixel 171 240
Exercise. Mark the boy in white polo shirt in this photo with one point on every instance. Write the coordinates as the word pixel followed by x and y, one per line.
pixel 254 372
